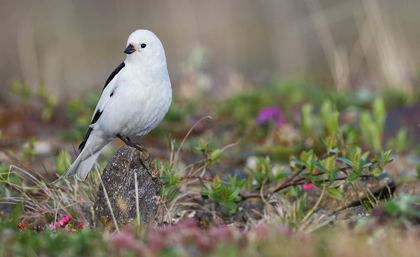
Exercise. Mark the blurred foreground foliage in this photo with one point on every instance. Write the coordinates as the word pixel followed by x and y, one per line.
pixel 301 135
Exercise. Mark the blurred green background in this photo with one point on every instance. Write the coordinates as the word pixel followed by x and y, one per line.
pixel 72 46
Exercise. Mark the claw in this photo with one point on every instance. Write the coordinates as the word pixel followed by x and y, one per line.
pixel 128 142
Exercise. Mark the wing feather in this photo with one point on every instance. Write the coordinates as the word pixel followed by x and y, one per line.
pixel 107 93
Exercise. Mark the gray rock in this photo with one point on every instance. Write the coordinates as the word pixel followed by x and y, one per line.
pixel 348 217
pixel 343 219
pixel 351 213
pixel 119 182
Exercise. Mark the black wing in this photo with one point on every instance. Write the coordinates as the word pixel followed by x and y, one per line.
pixel 98 112
pixel 95 119
pixel 115 72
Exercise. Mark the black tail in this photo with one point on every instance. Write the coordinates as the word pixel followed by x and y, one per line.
pixel 94 120
pixel 82 145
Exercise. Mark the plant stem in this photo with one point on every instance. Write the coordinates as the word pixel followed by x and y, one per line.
pixel 197 177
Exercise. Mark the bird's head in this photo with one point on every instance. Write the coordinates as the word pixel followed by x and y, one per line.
pixel 144 47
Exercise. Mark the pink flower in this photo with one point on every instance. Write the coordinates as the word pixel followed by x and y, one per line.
pixel 23 224
pixel 67 219
pixel 262 232
pixel 280 121
pixel 271 113
pixel 80 225
pixel 62 223
pixel 127 241
pixel 308 187
pixel 222 234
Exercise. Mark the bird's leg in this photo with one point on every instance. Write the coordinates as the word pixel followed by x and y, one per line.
pixel 128 142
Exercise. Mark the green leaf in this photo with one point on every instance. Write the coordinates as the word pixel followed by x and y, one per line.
pixel 241 183
pixel 302 205
pixel 387 154
pixel 230 205
pixel 356 160
pixel 367 165
pixel 232 180
pixel 352 177
pixel 329 116
pixel 330 182
pixel 347 161
pixel 217 185
pixel 379 113
pixel 202 145
pixel 377 172
pixel 335 193
pixel 361 164
pixel 364 155
pixel 215 155
pixel 335 171
pixel 307 157
pixel 279 176
pixel 237 199
pixel 322 168
pixel 306 175
pixel 385 157
pixel 205 193
pixel 233 194
pixel 317 183
pixel 310 167
pixel 392 207
pixel 306 119
pixel 260 176
pixel 297 161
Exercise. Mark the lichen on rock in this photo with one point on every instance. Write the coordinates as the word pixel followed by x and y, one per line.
pixel 119 181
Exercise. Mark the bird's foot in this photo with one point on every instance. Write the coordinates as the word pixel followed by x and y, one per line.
pixel 139 146
pixel 128 142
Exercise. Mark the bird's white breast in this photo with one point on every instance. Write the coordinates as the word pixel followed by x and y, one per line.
pixel 141 99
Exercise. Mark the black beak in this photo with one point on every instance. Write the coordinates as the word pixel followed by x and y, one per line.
pixel 130 49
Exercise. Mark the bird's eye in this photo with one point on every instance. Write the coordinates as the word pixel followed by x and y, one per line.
pixel 143 45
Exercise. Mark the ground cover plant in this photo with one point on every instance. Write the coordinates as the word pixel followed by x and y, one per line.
pixel 253 178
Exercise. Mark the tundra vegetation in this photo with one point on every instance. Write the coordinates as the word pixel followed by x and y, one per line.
pixel 262 172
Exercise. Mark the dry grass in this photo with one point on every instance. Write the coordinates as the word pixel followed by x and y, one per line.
pixel 60 198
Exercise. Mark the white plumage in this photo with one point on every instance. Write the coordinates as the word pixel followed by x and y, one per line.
pixel 134 101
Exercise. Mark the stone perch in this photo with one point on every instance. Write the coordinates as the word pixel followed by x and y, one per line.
pixel 119 182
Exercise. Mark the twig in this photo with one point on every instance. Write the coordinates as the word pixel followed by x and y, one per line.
pixel 197 177
pixel 295 183
pixel 262 193
pixel 300 171
pixel 202 183
pixel 286 183
pixel 186 136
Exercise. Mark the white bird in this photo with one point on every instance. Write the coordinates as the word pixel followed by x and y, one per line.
pixel 136 97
